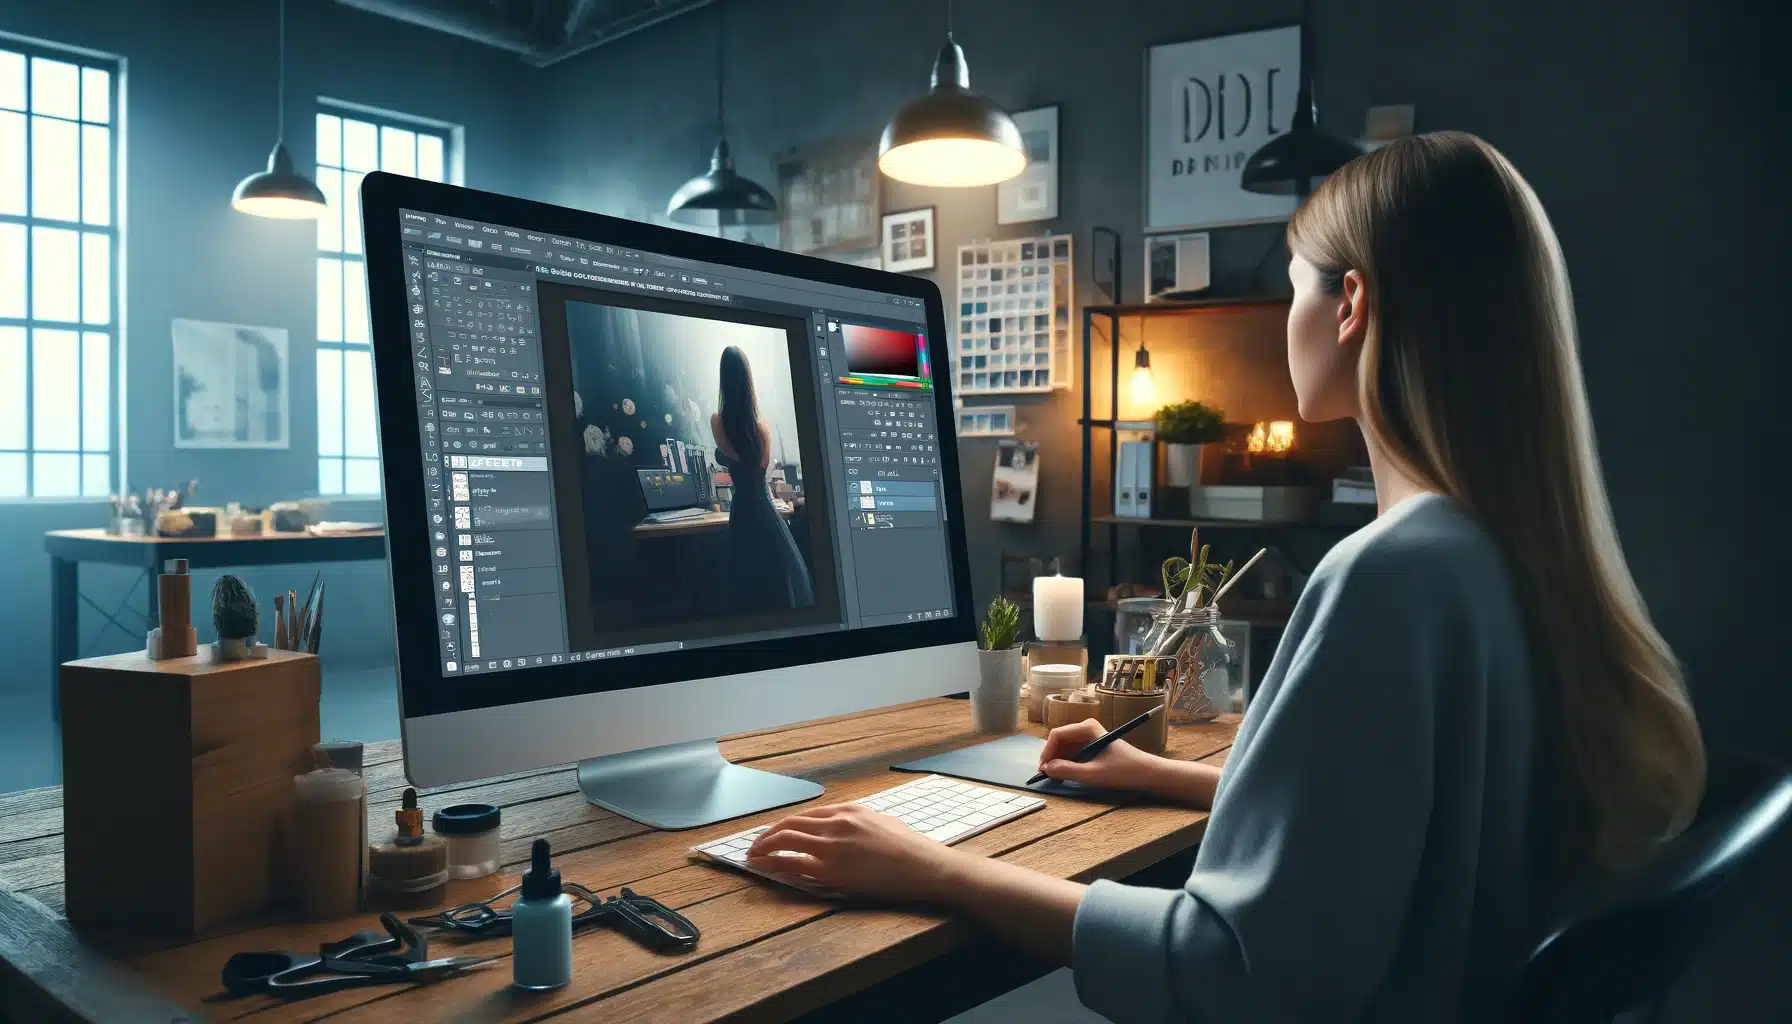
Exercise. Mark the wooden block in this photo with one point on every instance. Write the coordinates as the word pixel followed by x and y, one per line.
pixel 177 782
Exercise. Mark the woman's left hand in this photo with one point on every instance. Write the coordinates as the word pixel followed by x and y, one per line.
pixel 852 850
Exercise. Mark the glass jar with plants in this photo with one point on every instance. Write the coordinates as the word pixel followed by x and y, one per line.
pixel 1184 428
pixel 995 703
pixel 1188 630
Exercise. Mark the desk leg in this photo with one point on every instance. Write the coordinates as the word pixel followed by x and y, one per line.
pixel 65 625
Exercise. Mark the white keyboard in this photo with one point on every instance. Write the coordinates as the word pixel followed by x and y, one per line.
pixel 677 515
pixel 942 809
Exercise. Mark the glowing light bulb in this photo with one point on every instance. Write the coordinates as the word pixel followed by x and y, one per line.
pixel 1142 390
pixel 1281 436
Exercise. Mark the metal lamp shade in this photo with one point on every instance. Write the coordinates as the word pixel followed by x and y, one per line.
pixel 951 137
pixel 1296 161
pixel 722 197
pixel 279 192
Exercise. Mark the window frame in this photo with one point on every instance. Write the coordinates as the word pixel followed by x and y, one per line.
pixel 114 327
pixel 452 137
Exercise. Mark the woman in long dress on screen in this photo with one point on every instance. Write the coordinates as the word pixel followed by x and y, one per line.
pixel 765 569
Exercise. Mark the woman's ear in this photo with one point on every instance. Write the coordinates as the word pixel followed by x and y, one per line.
pixel 1353 308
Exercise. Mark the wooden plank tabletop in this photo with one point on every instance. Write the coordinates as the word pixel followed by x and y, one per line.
pixel 767 953
pixel 99 534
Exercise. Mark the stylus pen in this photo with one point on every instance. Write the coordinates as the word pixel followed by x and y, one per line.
pixel 1101 743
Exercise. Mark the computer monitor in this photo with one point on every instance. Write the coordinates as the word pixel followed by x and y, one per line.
pixel 665 490
pixel 532 363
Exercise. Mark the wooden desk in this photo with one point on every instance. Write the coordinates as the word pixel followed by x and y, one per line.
pixel 69 548
pixel 686 527
pixel 767 953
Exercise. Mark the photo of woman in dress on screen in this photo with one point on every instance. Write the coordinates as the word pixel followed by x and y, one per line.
pixel 765 570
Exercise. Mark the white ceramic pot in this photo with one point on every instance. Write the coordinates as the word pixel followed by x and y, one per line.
pixel 1182 465
pixel 995 703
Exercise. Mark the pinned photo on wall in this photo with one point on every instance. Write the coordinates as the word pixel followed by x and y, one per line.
pixel 1033 194
pixel 1014 491
pixel 1177 266
pixel 909 240
pixel 231 385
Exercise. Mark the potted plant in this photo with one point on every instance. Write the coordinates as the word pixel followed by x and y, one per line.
pixel 995 703
pixel 1184 428
pixel 235 617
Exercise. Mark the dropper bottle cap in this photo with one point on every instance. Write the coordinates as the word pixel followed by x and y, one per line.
pixel 410 820
pixel 542 880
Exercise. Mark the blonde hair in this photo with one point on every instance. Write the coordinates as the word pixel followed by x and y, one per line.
pixel 1471 382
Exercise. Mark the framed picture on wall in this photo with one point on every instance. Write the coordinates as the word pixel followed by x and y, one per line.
pixel 829 197
pixel 909 240
pixel 231 385
pixel 1209 104
pixel 1033 194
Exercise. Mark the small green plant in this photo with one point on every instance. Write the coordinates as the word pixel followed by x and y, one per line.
pixel 1189 423
pixel 1194 574
pixel 1002 625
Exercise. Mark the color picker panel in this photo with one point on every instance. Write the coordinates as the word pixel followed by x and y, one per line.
pixel 882 352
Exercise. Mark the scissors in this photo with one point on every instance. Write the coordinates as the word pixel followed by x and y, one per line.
pixel 401 956
pixel 642 918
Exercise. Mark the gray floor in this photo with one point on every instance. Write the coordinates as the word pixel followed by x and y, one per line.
pixel 358 704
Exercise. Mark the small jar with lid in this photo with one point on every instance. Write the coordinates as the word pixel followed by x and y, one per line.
pixel 471 831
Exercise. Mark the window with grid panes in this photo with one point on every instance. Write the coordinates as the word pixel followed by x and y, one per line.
pixel 349 144
pixel 58 273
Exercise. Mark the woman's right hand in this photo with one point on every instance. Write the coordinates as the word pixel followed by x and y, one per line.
pixel 1120 766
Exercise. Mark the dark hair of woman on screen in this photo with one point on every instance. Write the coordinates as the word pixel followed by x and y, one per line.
pixel 1470 711
pixel 765 569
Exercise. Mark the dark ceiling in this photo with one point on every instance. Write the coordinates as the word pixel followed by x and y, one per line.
pixel 540 32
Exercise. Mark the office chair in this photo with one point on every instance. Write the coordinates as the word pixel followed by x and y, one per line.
pixel 1626 948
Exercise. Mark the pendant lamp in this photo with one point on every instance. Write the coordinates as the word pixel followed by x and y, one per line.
pixel 1296 161
pixel 721 197
pixel 1143 390
pixel 951 137
pixel 280 192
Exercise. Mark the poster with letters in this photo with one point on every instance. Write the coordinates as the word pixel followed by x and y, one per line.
pixel 1210 104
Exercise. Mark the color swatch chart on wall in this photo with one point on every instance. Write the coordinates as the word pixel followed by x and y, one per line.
pixel 1014 306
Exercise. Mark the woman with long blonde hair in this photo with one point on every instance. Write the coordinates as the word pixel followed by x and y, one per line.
pixel 1470 707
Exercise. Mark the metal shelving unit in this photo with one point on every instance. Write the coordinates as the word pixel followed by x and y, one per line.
pixel 1113 426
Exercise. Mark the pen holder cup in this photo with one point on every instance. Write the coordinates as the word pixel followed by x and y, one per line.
pixel 1118 707
pixel 1201 654
pixel 1070 708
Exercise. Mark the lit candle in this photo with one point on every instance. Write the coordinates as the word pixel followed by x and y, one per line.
pixel 1058 607
pixel 1258 440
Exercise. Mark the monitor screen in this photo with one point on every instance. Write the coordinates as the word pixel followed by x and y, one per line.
pixel 565 382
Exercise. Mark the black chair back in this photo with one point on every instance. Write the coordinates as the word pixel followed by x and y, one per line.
pixel 1632 940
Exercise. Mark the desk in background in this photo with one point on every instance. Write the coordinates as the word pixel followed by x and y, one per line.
pixel 705 523
pixel 767 953
pixel 69 548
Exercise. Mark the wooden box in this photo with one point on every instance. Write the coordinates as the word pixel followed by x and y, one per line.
pixel 177 785
pixel 1255 504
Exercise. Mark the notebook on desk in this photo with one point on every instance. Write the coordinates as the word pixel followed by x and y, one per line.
pixel 1009 761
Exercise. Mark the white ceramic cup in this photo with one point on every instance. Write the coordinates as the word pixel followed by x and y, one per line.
pixel 1049 679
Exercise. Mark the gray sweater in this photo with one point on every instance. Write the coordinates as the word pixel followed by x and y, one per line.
pixel 1369 853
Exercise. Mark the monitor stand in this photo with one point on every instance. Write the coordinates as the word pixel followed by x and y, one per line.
pixel 684 785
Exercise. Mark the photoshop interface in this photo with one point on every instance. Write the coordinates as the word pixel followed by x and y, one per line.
pixel 627 453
